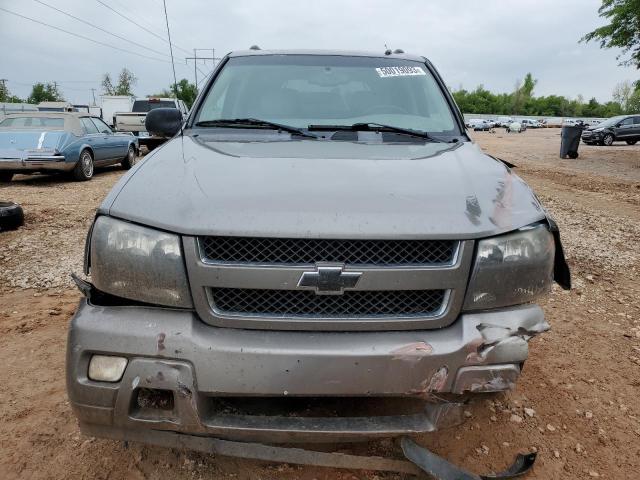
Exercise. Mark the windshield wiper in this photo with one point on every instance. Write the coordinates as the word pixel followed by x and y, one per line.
pixel 376 127
pixel 253 122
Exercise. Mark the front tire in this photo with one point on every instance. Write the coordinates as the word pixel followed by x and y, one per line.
pixel 83 170
pixel 607 140
pixel 130 160
pixel 631 142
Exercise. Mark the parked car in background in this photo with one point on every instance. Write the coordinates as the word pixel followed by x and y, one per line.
pixel 504 121
pixel 530 123
pixel 55 107
pixel 61 142
pixel 479 124
pixel 515 127
pixel 553 122
pixel 115 103
pixel 134 121
pixel 621 128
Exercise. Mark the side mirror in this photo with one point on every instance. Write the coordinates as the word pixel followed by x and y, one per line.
pixel 165 122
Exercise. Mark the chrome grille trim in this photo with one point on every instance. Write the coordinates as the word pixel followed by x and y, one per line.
pixel 390 304
pixel 205 275
pixel 303 251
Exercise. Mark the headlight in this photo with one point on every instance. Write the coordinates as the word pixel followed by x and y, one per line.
pixel 598 129
pixel 512 269
pixel 138 263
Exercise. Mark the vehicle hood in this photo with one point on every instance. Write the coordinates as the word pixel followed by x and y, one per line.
pixel 14 143
pixel 330 189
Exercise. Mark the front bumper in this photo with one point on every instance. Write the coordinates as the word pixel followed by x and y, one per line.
pixel 172 350
pixel 591 137
pixel 53 163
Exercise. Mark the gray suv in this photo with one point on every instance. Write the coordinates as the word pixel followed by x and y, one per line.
pixel 319 253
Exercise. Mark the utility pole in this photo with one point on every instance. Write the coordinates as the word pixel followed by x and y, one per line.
pixel 195 65
pixel 195 59
pixel 93 92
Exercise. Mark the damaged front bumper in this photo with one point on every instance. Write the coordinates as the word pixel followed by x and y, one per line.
pixel 174 352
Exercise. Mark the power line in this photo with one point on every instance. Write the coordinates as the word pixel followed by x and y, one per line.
pixel 173 65
pixel 83 37
pixel 138 25
pixel 99 28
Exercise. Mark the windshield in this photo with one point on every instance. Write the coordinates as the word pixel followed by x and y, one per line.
pixel 303 90
pixel 148 105
pixel 611 121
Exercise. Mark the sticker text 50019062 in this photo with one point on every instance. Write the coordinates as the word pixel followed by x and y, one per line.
pixel 401 71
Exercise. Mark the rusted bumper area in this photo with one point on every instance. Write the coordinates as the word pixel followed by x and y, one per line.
pixel 199 370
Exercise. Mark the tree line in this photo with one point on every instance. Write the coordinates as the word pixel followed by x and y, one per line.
pixel 126 80
pixel 626 99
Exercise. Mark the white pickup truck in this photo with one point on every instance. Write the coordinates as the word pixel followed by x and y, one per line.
pixel 134 120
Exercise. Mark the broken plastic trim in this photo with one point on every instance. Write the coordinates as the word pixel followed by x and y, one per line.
pixel 503 161
pixel 441 469
pixel 561 272
pixel 420 460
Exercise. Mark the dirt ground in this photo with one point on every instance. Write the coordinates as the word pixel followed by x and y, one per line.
pixel 580 387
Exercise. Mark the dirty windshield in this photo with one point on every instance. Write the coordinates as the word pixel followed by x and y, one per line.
pixel 304 90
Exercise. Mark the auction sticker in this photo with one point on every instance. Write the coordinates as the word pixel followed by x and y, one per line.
pixel 402 71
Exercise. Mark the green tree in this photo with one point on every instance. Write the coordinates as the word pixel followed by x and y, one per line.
pixel 522 95
pixel 45 92
pixel 6 96
pixel 187 92
pixel 622 31
pixel 126 81
pixel 622 93
pixel 633 106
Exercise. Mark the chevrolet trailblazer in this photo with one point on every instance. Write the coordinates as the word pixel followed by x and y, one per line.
pixel 319 253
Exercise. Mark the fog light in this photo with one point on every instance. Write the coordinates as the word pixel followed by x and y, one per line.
pixel 103 368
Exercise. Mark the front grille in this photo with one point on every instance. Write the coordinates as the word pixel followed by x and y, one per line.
pixel 309 251
pixel 353 303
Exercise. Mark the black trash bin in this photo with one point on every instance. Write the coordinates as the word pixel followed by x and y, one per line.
pixel 570 141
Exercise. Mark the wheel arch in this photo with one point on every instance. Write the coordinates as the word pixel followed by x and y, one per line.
pixel 84 147
pixel 135 145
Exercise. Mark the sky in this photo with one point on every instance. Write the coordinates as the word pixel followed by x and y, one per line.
pixel 489 42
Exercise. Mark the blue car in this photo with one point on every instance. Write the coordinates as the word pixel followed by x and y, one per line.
pixel 71 142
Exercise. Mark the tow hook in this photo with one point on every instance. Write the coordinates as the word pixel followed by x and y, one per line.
pixel 441 469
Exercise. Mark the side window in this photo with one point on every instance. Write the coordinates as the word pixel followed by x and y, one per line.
pixel 636 120
pixel 101 126
pixel 627 121
pixel 88 125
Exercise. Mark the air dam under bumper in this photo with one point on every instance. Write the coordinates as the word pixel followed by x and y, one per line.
pixel 175 352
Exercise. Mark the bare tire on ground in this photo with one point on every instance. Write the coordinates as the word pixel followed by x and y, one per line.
pixel 607 140
pixel 84 168
pixel 5 177
pixel 631 142
pixel 11 215
pixel 130 160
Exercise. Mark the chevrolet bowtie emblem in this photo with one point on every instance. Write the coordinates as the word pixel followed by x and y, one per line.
pixel 329 280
